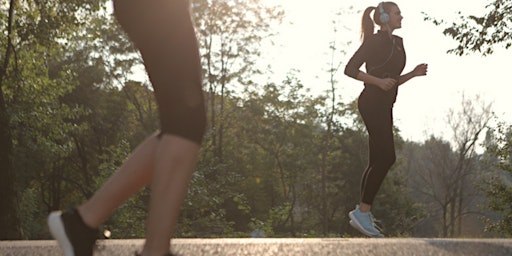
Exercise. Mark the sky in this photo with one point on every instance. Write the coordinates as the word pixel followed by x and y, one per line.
pixel 423 103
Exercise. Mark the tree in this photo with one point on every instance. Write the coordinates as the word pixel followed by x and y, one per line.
pixel 481 33
pixel 498 184
pixel 74 115
pixel 334 109
pixel 431 174
pixel 287 119
pixel 444 174
pixel 229 34
pixel 117 114
pixel 34 31
pixel 467 127
pixel 48 56
pixel 8 211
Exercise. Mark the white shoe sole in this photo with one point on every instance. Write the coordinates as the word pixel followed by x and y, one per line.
pixel 59 233
pixel 354 223
pixel 364 232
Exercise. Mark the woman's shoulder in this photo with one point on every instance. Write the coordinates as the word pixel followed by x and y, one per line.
pixel 379 38
pixel 397 37
pixel 373 39
pixel 398 40
pixel 375 36
pixel 382 35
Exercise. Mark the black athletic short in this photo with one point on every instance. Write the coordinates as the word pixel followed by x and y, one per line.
pixel 162 30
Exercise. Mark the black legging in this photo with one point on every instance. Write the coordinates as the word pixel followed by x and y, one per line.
pixel 162 30
pixel 378 118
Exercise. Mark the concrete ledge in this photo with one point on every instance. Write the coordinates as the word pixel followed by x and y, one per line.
pixel 284 247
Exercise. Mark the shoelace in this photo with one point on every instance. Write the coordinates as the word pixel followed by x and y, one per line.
pixel 374 223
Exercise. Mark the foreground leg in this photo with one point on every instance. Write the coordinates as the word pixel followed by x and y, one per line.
pixel 76 230
pixel 174 164
pixel 135 173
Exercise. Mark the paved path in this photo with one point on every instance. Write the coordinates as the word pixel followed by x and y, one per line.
pixel 285 247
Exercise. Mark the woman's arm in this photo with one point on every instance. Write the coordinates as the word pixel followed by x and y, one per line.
pixel 420 70
pixel 360 56
pixel 385 84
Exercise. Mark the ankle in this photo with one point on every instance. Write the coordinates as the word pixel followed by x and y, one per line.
pixel 364 208
pixel 85 221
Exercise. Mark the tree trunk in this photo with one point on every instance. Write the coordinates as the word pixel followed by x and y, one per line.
pixel 222 120
pixel 452 215
pixel 445 221
pixel 8 209
pixel 459 207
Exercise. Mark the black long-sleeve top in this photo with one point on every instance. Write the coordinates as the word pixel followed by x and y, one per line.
pixel 384 57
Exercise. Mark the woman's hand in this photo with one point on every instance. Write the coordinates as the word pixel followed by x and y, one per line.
pixel 420 70
pixel 386 84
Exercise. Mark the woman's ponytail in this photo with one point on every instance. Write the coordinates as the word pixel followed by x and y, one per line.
pixel 367 26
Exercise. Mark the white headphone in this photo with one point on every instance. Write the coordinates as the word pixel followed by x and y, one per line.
pixel 383 17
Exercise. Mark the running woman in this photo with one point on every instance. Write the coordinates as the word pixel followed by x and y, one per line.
pixel 385 58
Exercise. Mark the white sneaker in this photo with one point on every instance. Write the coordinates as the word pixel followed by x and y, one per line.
pixel 363 221
pixel 72 235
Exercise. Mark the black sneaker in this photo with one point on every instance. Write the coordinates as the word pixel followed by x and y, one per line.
pixel 71 233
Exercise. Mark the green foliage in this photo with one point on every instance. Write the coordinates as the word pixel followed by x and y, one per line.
pixel 498 185
pixel 481 33
pixel 400 212
pixel 64 120
pixel 75 115
pixel 32 225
